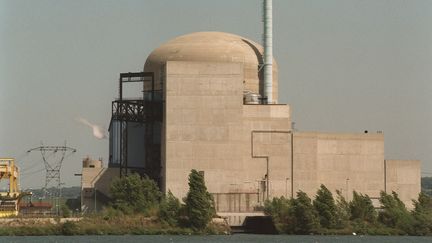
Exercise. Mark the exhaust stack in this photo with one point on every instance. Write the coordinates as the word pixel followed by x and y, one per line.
pixel 268 51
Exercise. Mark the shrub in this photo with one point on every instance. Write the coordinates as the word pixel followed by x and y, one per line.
pixel 69 228
pixel 133 194
pixel 170 209
pixel 361 208
pixel 282 214
pixel 109 213
pixel 394 213
pixel 199 202
pixel 422 214
pixel 306 218
pixel 65 211
pixel 326 207
pixel 343 213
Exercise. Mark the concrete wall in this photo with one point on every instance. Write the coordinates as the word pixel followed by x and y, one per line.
pixel 267 149
pixel 305 165
pixel 203 114
pixel 250 150
pixel 235 202
pixel 93 179
pixel 340 161
pixel 248 153
pixel 208 128
pixel 403 177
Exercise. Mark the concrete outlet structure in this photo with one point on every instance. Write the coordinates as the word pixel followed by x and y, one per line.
pixel 213 117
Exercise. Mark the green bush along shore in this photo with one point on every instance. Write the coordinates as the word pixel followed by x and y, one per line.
pixel 137 207
pixel 327 215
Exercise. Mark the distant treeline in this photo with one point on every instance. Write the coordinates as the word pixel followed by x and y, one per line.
pixel 327 215
pixel 66 192
pixel 426 185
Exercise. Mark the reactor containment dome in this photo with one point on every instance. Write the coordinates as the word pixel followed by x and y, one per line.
pixel 215 47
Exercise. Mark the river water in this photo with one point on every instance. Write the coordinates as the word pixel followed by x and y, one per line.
pixel 210 239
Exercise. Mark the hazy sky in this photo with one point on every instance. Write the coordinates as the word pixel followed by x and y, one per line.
pixel 344 66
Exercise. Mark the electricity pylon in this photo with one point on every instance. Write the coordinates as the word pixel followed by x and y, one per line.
pixel 52 164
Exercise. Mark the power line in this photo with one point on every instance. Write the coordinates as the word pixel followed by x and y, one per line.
pixel 24 170
pixel 31 172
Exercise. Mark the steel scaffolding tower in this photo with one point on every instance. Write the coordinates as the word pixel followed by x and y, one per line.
pixel 145 111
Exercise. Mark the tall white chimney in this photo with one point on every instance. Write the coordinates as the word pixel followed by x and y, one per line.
pixel 268 51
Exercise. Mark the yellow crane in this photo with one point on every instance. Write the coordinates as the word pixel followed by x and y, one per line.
pixel 9 199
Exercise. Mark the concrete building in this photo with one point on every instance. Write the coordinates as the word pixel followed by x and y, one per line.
pixel 203 108
pixel 95 183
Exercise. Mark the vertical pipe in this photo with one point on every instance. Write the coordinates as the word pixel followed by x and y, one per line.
pixel 120 88
pixel 268 180
pixel 292 163
pixel 95 200
pixel 268 51
pixel 385 176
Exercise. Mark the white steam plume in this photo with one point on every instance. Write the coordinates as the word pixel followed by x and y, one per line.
pixel 98 131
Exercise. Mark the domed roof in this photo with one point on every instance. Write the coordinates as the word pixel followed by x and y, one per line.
pixel 214 47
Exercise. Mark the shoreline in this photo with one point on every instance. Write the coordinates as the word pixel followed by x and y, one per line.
pixel 100 225
pixel 135 225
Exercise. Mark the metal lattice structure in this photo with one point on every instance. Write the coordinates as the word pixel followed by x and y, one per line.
pixel 10 199
pixel 53 166
pixel 145 111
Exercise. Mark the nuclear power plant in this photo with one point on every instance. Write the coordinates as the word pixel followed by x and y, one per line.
pixel 209 101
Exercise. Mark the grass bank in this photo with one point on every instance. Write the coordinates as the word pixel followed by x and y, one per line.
pixel 104 225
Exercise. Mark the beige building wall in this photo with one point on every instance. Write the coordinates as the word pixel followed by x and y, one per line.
pixel 203 115
pixel 267 149
pixel 340 161
pixel 94 179
pixel 209 129
pixel 248 153
pixel 245 151
pixel 305 164
pixel 403 177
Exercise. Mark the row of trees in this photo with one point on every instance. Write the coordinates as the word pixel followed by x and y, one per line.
pixel 325 214
pixel 301 215
pixel 140 195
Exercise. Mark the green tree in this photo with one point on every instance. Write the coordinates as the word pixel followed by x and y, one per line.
pixel 423 204
pixel 422 214
pixel 69 228
pixel 199 202
pixel 170 209
pixel 394 213
pixel 306 218
pixel 65 211
pixel 133 194
pixel 281 211
pixel 325 206
pixel 343 212
pixel 361 208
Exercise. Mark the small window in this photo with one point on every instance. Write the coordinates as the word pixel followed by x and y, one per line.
pixel 201 172
pixel 91 166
